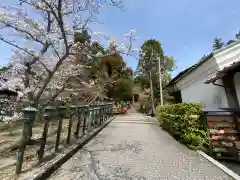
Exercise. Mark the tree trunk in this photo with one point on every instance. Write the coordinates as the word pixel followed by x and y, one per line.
pixel 152 96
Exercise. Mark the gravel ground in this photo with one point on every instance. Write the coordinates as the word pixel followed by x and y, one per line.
pixel 134 147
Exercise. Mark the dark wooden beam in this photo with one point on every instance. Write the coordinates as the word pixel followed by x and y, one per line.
pixel 230 90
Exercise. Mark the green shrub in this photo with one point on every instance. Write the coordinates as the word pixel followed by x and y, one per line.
pixel 183 121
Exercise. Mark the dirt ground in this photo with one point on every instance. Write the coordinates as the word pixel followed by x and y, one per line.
pixel 9 142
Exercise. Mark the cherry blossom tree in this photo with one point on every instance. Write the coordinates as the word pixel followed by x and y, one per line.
pixel 42 34
pixel 46 56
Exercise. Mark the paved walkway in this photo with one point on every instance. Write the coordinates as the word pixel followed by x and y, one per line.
pixel 134 147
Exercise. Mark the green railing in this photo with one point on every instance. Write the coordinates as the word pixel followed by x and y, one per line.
pixel 88 117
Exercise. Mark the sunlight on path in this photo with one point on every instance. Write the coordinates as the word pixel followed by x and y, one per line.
pixel 130 149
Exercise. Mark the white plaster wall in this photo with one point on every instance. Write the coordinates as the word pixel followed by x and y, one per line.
pixel 193 88
pixel 202 73
pixel 237 84
pixel 192 85
pixel 210 96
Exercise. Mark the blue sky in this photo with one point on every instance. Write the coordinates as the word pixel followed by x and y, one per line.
pixel 185 28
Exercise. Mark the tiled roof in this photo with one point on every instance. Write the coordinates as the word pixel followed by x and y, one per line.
pixel 199 63
pixel 224 71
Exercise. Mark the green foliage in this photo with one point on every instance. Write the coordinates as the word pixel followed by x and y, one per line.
pixel 4 68
pixel 127 73
pixel 217 43
pixel 148 67
pixel 108 73
pixel 168 64
pixel 96 47
pixel 230 42
pixel 143 81
pixel 150 51
pixel 82 37
pixel 122 90
pixel 106 67
pixel 183 121
pixel 238 35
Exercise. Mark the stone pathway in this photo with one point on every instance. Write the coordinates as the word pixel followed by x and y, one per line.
pixel 134 147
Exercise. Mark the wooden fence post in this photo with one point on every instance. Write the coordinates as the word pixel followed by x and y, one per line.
pixel 72 110
pixel 86 112
pixel 21 150
pixel 61 114
pixel 29 115
pixel 108 110
pixel 98 115
pixel 111 105
pixel 79 113
pixel 48 114
pixel 105 112
pixel 91 116
pixel 102 113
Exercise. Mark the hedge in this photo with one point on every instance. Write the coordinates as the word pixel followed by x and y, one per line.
pixel 183 121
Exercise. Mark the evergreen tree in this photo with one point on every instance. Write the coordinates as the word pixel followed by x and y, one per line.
pixel 217 43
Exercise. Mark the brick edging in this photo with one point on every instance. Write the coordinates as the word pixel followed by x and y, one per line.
pixel 49 170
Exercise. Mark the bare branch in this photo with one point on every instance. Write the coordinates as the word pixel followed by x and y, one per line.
pixel 55 51
pixel 50 32
pixel 130 46
pixel 32 4
pixel 48 78
pixel 61 24
pixel 56 95
pixel 87 21
pixel 23 31
pixel 94 98
pixel 16 46
pixel 116 3
pixel 51 9
pixel 45 67
pixel 42 51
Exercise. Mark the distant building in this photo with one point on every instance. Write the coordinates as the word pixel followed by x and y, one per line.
pixel 7 102
pixel 9 94
pixel 214 81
